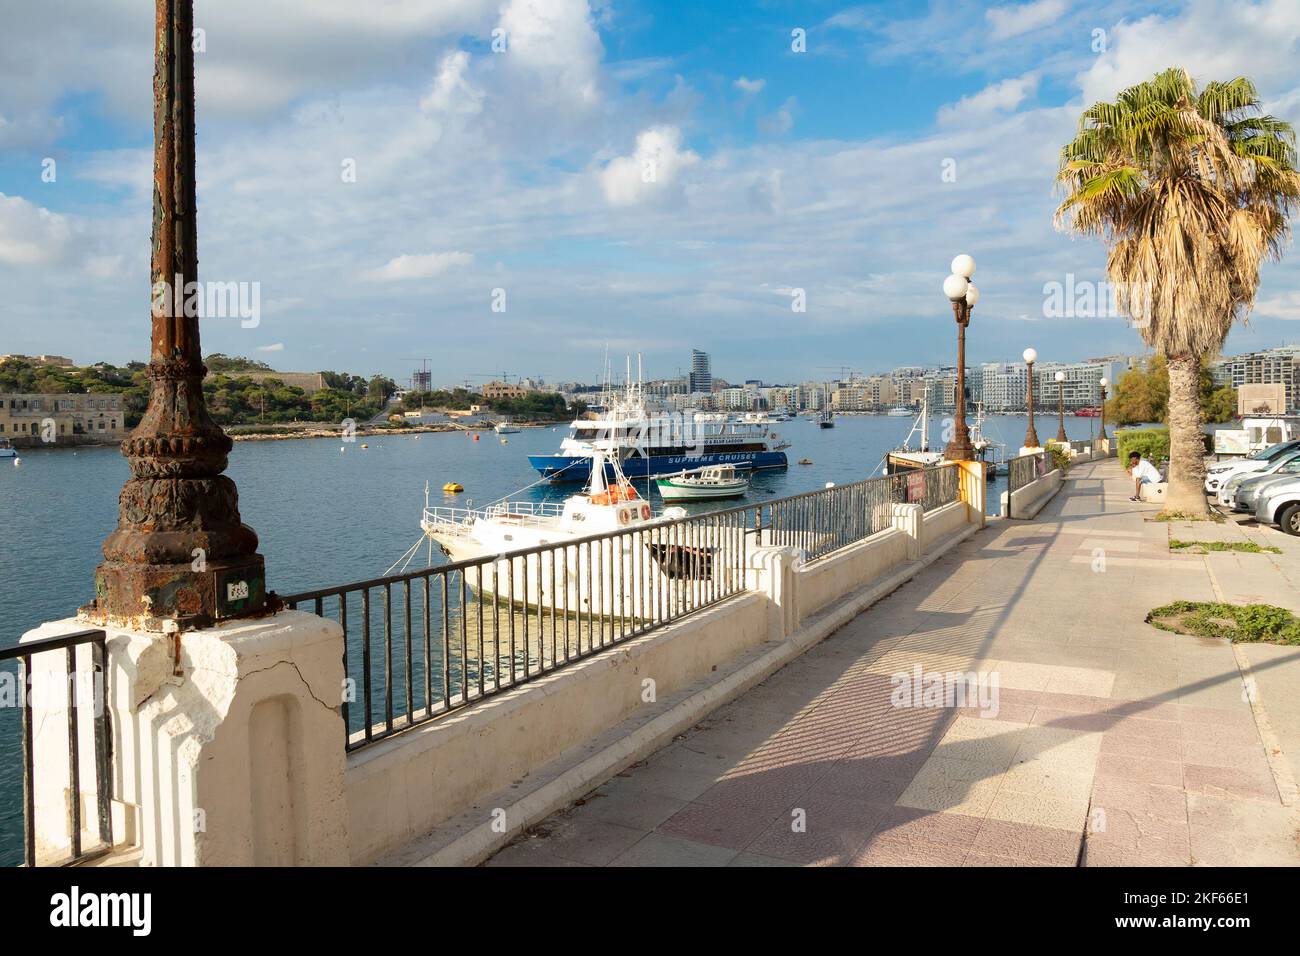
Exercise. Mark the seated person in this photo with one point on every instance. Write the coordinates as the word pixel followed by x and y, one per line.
pixel 1143 472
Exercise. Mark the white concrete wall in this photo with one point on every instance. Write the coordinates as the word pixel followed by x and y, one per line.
pixel 1026 502
pixel 843 572
pixel 400 788
pixel 942 523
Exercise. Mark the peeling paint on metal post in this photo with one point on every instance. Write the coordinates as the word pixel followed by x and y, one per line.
pixel 177 499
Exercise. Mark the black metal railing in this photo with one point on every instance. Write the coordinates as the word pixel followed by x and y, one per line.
pixel 423 643
pixel 82 685
pixel 1025 469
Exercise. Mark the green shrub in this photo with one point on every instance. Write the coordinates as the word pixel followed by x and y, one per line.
pixel 1151 443
pixel 1060 457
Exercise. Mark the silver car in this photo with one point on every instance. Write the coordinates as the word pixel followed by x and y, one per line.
pixel 1280 505
pixel 1246 488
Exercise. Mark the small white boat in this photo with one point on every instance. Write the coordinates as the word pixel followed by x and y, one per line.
pixel 620 577
pixel 506 427
pixel 704 484
pixel 7 449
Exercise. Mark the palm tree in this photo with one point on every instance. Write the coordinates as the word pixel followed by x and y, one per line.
pixel 1191 190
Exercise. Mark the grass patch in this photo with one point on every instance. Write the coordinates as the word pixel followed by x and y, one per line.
pixel 1180 516
pixel 1246 547
pixel 1241 623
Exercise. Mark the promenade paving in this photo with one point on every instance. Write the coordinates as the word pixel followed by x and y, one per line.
pixel 1108 742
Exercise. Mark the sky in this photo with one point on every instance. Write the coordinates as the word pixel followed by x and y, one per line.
pixel 517 187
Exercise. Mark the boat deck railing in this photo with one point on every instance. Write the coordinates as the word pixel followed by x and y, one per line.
pixel 423 643
pixel 525 512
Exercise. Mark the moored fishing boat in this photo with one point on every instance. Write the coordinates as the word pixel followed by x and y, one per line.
pixel 906 458
pixel 7 449
pixel 706 484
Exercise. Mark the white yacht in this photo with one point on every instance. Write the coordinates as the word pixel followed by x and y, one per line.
pixel 7 449
pixel 619 576
pixel 646 442
pixel 506 427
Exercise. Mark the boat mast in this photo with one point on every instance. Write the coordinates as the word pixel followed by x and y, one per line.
pixel 925 417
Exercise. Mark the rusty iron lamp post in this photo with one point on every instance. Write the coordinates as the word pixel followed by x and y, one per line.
pixel 1031 436
pixel 1104 384
pixel 180 558
pixel 963 295
pixel 1060 407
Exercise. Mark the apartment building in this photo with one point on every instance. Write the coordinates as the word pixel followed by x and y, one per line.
pixel 66 418
pixel 1280 366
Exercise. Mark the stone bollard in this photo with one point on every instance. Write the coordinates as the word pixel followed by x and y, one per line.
pixel 228 746
pixel 910 519
pixel 771 570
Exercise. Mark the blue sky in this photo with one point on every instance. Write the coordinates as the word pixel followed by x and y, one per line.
pixel 522 173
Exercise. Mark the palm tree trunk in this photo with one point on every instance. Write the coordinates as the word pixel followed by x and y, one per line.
pixel 1186 446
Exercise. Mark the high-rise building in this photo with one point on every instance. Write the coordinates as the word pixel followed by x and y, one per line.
pixel 1280 366
pixel 701 372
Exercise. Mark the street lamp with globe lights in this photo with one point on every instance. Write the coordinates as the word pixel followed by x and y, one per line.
pixel 1060 407
pixel 1031 435
pixel 963 295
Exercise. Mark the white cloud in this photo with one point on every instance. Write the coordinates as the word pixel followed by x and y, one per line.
pixel 1213 39
pixel 750 87
pixel 419 267
pixel 277 347
pixel 1285 305
pixel 31 235
pixel 452 91
pixel 1012 21
pixel 553 44
pixel 1001 97
pixel 651 170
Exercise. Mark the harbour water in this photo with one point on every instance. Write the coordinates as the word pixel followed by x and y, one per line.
pixel 327 516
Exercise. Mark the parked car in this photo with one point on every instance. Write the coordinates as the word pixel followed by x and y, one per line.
pixel 1280 505
pixel 1230 492
pixel 1216 475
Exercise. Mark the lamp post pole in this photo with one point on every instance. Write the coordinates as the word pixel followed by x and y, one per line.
pixel 179 558
pixel 1031 435
pixel 1060 407
pixel 963 295
pixel 1104 384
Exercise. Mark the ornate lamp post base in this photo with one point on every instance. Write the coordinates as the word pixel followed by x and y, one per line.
pixel 960 449
pixel 126 594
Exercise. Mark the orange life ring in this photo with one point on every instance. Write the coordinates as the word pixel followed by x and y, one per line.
pixel 645 512
pixel 624 516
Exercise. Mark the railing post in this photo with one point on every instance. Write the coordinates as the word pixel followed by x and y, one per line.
pixel 973 489
pixel 225 744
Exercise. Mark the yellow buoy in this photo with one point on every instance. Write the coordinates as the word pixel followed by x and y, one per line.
pixel 453 487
